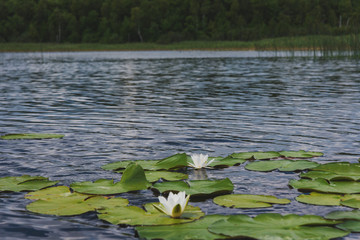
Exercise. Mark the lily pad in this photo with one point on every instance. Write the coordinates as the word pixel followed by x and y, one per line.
pixel 276 226
pixel 153 176
pixel 226 162
pixel 61 201
pixel 132 215
pixel 175 161
pixel 281 165
pixel 335 171
pixel 256 155
pixel 133 179
pixel 31 136
pixel 328 199
pixel 145 164
pixel 344 215
pixel 350 225
pixel 193 230
pixel 248 201
pixel 321 185
pixel 197 188
pixel 24 183
pixel 300 154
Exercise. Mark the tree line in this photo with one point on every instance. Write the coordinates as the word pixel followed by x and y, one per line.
pixel 166 21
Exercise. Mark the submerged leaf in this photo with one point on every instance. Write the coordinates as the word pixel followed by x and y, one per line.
pixel 24 183
pixel 248 201
pixel 193 230
pixel 281 165
pixel 132 215
pixel 197 188
pixel 133 179
pixel 276 226
pixel 30 136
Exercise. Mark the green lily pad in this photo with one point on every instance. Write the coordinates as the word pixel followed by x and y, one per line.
pixel 197 188
pixel 300 154
pixel 133 215
pixel 61 201
pixel 145 164
pixel 133 179
pixel 256 155
pixel 351 218
pixel 175 161
pixel 321 185
pixel 276 226
pixel 30 136
pixel 226 162
pixel 344 215
pixel 153 176
pixel 327 199
pixel 281 165
pixel 335 171
pixel 193 230
pixel 24 183
pixel 351 225
pixel 248 201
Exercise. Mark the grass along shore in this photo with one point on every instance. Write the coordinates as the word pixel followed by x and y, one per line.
pixel 325 44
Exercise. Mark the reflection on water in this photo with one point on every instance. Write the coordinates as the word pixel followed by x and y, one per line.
pixel 150 105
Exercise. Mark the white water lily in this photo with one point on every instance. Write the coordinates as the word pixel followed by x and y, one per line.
pixel 175 205
pixel 200 161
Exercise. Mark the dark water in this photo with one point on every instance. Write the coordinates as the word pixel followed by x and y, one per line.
pixel 149 105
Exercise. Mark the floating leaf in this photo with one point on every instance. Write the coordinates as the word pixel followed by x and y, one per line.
pixel 30 136
pixel 193 230
pixel 344 215
pixel 300 154
pixel 133 179
pixel 61 201
pixel 197 188
pixel 153 176
pixel 248 201
pixel 321 185
pixel 335 171
pixel 50 193
pixel 256 155
pixel 145 164
pixel 281 165
pixel 276 226
pixel 175 161
pixel 326 199
pixel 352 226
pixel 133 215
pixel 225 162
pixel 24 183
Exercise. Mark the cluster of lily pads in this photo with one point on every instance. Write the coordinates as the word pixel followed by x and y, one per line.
pixel 171 217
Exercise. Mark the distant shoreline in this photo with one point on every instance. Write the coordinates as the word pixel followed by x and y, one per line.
pixel 303 43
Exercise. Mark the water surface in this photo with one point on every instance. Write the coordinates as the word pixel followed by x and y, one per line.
pixel 115 106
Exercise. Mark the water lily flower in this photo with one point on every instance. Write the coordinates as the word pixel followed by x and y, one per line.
pixel 175 205
pixel 200 161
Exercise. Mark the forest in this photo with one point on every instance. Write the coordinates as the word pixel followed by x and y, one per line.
pixel 168 21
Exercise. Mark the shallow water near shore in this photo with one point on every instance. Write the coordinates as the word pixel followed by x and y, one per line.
pixel 114 106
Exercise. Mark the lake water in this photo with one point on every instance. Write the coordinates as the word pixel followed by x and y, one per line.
pixel 115 106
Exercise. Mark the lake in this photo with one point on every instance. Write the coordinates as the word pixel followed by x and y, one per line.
pixel 115 106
